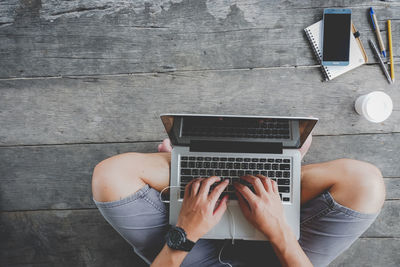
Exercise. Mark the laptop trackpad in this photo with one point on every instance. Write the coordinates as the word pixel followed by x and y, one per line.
pixel 224 229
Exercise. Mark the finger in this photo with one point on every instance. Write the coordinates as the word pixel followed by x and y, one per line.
pixel 246 192
pixel 257 184
pixel 264 181
pixel 195 186
pixel 267 184
pixel 206 184
pixel 187 189
pixel 244 206
pixel 217 191
pixel 275 187
pixel 220 210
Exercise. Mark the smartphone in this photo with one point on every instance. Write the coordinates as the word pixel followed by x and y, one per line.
pixel 336 37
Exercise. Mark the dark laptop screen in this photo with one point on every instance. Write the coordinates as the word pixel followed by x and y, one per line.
pixel 290 132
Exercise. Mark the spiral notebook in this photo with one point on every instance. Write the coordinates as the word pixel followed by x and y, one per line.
pixel 357 58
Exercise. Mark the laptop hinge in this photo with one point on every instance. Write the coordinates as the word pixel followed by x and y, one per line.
pixel 236 147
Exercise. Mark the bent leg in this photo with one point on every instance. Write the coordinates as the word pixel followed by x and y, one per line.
pixel 126 190
pixel 340 200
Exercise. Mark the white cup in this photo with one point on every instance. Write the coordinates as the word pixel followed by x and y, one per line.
pixel 375 107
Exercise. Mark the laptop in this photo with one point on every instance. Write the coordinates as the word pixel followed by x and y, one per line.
pixel 230 146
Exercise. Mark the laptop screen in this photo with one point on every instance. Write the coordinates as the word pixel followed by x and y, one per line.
pixel 291 132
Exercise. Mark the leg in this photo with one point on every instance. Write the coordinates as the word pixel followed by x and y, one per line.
pixel 126 191
pixel 122 175
pixel 340 200
pixel 355 184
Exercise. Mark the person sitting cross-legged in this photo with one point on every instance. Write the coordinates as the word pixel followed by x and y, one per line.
pixel 340 199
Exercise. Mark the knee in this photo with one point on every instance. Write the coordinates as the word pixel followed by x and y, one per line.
pixel 362 186
pixel 115 177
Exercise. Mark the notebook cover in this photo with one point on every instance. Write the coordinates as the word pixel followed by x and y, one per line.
pixel 357 58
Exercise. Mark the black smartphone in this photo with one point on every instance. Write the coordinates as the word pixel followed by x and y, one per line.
pixel 336 37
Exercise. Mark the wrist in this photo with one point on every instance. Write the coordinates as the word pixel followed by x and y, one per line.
pixel 282 235
pixel 191 235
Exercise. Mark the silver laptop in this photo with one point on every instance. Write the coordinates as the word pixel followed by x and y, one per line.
pixel 231 146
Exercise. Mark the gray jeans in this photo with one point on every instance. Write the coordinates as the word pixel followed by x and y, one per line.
pixel 327 229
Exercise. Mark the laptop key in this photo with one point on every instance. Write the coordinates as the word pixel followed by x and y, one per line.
pixel 263 160
pixel 283 189
pixel 286 174
pixel 247 160
pixel 186 179
pixel 271 174
pixel 278 160
pixel 284 167
pixel 278 174
pixel 275 166
pixel 215 159
pixel 267 166
pixel 221 165
pixel 252 166
pixel 195 172
pixel 236 165
pixel 260 165
pixel 284 182
pixel 245 165
pixel 233 173
pixel 229 165
pixel 199 164
pixel 223 159
pixel 271 160
pixel 184 164
pixel 254 160
pixel 214 164
pixel 184 158
pixel 217 172
pixel 286 199
pixel 192 158
pixel 256 172
pixel 286 161
pixel 240 173
pixel 239 159
pixel 265 173
pixel 200 158
pixel 225 172
pixel 210 172
pixel 203 172
pixel 186 171
pixel 231 159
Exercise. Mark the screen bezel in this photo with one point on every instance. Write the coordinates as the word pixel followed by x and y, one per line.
pixel 333 11
pixel 173 132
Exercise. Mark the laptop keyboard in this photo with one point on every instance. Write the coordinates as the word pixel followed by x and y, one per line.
pixel 278 169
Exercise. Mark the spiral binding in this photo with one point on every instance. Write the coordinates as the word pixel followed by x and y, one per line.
pixel 318 54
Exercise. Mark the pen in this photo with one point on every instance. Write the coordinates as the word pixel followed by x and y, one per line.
pixel 377 31
pixel 376 52
pixel 390 49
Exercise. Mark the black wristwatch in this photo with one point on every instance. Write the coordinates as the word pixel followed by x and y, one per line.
pixel 176 239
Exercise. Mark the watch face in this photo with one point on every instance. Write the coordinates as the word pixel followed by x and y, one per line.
pixel 175 238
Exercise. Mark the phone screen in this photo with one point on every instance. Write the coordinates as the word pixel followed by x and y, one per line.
pixel 336 43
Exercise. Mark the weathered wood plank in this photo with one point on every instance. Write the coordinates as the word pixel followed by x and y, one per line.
pixel 370 252
pixel 53 38
pixel 59 177
pixel 83 238
pixel 127 107
pixel 387 222
pixel 62 238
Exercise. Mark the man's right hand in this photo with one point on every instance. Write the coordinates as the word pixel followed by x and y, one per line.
pixel 263 208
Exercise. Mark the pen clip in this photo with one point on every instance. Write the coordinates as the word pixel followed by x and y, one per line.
pixel 371 13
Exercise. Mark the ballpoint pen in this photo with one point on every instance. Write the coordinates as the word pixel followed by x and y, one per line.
pixel 377 55
pixel 377 30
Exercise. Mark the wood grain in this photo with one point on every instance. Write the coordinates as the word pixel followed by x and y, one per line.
pixel 127 108
pixel 55 38
pixel 62 238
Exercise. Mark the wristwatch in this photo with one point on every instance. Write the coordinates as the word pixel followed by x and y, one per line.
pixel 176 239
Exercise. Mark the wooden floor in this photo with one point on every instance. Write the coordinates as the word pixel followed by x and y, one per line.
pixel 84 80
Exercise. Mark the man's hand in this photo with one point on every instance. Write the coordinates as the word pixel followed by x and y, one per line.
pixel 200 211
pixel 264 207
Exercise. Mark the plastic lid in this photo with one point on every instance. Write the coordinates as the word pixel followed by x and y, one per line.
pixel 378 107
